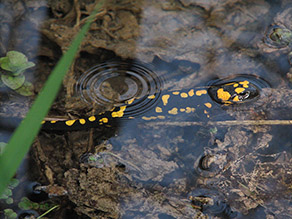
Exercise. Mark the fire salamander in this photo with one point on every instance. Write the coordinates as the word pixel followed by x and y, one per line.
pixel 169 104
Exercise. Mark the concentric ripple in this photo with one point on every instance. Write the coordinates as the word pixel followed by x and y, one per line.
pixel 251 88
pixel 117 83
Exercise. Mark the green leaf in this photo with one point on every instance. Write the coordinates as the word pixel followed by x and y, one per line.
pixel 3 196
pixel 26 89
pixel 6 193
pixel 13 82
pixel 5 63
pixel 35 205
pixel 24 135
pixel 16 58
pixel 16 62
pixel 25 204
pixel 10 214
pixel 9 201
pixel 44 207
pixel 23 67
pixel 13 183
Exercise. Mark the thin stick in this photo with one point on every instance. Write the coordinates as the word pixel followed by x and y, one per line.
pixel 225 123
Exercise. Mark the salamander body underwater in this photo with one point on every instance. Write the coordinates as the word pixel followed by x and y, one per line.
pixel 183 102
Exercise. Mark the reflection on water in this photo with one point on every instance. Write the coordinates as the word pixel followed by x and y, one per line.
pixel 208 53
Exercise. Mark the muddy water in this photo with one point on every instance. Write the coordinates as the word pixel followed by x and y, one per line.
pixel 212 159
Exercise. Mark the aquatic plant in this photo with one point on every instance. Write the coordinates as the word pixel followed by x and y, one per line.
pixel 10 214
pixel 7 194
pixel 13 66
pixel 27 204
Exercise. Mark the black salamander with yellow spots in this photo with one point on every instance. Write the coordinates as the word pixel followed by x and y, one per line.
pixel 201 100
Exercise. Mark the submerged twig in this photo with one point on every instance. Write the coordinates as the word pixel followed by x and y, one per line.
pixel 224 123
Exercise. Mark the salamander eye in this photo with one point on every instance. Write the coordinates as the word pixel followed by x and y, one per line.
pixel 243 95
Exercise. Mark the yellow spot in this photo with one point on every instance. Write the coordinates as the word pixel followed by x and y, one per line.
pixel 207 114
pixel 200 92
pixel 184 95
pixel 53 121
pixel 235 85
pixel 158 110
pixel 188 110
pixel 165 99
pixel 149 118
pixel 161 117
pixel 223 95
pixel 119 113
pixel 82 121
pixel 182 109
pixel 70 122
pixel 209 105
pixel 110 110
pixel 43 122
pixel 239 90
pixel 191 93
pixel 227 103
pixel 151 97
pixel 131 117
pixel 173 111
pixel 228 84
pixel 130 101
pixel 235 99
pixel 104 120
pixel 92 118
pixel 244 83
pixel 175 93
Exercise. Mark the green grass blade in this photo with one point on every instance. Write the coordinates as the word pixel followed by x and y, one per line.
pixel 24 135
pixel 48 211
